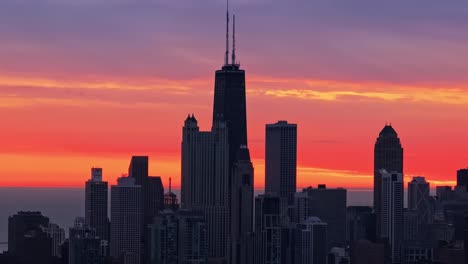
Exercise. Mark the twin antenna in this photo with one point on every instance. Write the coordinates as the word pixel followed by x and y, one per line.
pixel 226 56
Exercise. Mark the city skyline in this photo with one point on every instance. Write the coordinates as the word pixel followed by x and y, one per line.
pixel 67 117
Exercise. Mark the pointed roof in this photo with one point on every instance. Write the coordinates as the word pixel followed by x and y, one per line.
pixel 388 131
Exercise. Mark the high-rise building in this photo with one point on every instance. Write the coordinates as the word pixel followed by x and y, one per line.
pixel 84 244
pixel 27 240
pixel 242 195
pixel 388 155
pixel 310 245
pixel 444 193
pixel 328 204
pixel 96 204
pixel 462 178
pixel 170 199
pixel 281 163
pixel 178 237
pixel 271 238
pixel 57 234
pixel 205 181
pixel 152 195
pixel 360 223
pixel 230 100
pixel 126 212
pixel 392 218
pixel 419 199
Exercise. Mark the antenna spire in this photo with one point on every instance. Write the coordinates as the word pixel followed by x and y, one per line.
pixel 226 56
pixel 234 39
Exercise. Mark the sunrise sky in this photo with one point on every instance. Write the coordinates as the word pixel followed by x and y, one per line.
pixel 93 82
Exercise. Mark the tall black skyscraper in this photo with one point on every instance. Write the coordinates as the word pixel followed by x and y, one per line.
pixel 229 99
pixel 96 204
pixel 388 155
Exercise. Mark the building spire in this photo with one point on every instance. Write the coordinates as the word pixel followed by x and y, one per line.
pixel 226 56
pixel 170 185
pixel 234 39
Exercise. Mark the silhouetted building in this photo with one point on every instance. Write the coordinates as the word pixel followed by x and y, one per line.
pixel 126 212
pixel 281 163
pixel 57 234
pixel 366 252
pixel 154 198
pixel 462 178
pixel 330 206
pixel 96 204
pixel 242 191
pixel 27 240
pixel 170 199
pixel 444 193
pixel 84 244
pixel 310 245
pixel 388 155
pixel 360 223
pixel 178 237
pixel 206 182
pixel 271 240
pixel 419 199
pixel 391 210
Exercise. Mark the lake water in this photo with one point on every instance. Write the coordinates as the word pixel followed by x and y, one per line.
pixel 62 205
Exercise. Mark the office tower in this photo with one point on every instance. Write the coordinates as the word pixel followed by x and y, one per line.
pixel 392 219
pixel 152 195
pixel 338 256
pixel 444 193
pixel 419 199
pixel 178 237
pixel 205 181
pixel 57 235
pixel 330 206
pixel 170 199
pixel 272 239
pixel 154 198
pixel 96 204
pixel 462 178
pixel 360 223
pixel 310 238
pixel 281 162
pixel 388 155
pixel 84 244
pixel 27 240
pixel 126 212
pixel 230 100
pixel 242 194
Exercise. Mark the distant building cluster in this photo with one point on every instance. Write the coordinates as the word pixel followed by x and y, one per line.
pixel 220 221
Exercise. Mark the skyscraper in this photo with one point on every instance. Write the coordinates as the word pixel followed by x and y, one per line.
pixel 330 206
pixel 310 238
pixel 126 208
pixel 178 237
pixel 96 204
pixel 84 244
pixel 388 155
pixel 281 163
pixel 462 178
pixel 27 240
pixel 392 218
pixel 229 98
pixel 205 181
pixel 241 206
pixel 152 195
pixel 419 199
pixel 57 234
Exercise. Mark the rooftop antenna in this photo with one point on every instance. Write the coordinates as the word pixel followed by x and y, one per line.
pixel 234 39
pixel 170 185
pixel 226 57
